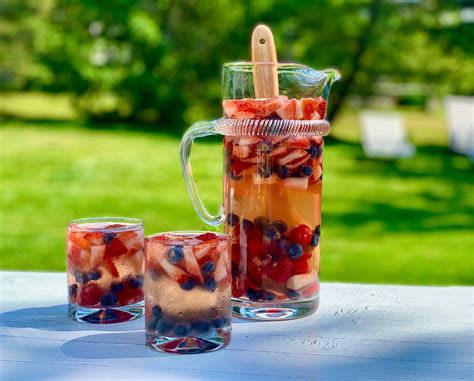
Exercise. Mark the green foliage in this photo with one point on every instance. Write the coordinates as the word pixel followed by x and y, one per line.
pixel 159 60
pixel 407 221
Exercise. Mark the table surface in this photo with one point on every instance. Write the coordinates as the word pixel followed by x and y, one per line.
pixel 361 332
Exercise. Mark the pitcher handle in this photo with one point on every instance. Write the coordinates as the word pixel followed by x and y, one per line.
pixel 197 130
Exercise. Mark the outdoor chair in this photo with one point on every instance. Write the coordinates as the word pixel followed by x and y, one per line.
pixel 383 135
pixel 460 118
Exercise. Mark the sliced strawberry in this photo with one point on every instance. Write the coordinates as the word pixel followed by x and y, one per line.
pixel 230 108
pixel 95 238
pixel 256 266
pixel 297 183
pixel 128 238
pixel 321 107
pixel 292 155
pixel 301 234
pixel 259 159
pixel 318 140
pixel 89 295
pixel 221 270
pixel 241 152
pixel 298 142
pixel 115 248
pixel 299 110
pixel 97 256
pixel 297 162
pixel 206 236
pixel 129 295
pixel 280 270
pixel 115 226
pixel 178 275
pixel 317 173
pixel 111 267
pixel 244 115
pixel 192 266
pixel 249 140
pixel 237 167
pixel 288 110
pixel 278 152
pixel 255 247
pixel 310 109
pixel 252 108
pixel 79 240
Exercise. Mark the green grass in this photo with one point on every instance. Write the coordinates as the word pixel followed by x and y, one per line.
pixel 408 221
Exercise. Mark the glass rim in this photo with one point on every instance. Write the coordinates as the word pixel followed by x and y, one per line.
pixel 246 66
pixel 133 223
pixel 176 233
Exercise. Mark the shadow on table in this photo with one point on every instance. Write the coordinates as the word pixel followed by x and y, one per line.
pixel 55 318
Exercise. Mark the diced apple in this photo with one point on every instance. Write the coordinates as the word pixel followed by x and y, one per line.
pixel 292 155
pixel 192 266
pixel 297 282
pixel 298 142
pixel 221 268
pixel 97 256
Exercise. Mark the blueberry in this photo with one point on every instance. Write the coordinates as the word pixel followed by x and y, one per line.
pixel 235 269
pixel 182 330
pixel 157 312
pixel 280 225
pixel 254 294
pixel 306 170
pixel 320 151
pixel 295 251
pixel 208 267
pixel 72 290
pixel 176 254
pixel 247 225
pixel 268 296
pixel 151 325
pixel 188 285
pixel 292 294
pixel 116 287
pixel 210 284
pixel 260 222
pixel 108 300
pixel 264 171
pixel 164 326
pixel 108 237
pixel 317 230
pixel 218 323
pixel 232 219
pixel 79 277
pixel 265 147
pixel 136 282
pixel 283 245
pixel 270 231
pixel 93 275
pixel 283 172
pixel 201 326
pixel 313 150
pixel 314 240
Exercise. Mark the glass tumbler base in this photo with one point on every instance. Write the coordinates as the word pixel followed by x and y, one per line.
pixel 283 310
pixel 106 315
pixel 218 339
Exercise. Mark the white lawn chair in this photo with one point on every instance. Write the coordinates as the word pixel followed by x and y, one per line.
pixel 460 118
pixel 384 135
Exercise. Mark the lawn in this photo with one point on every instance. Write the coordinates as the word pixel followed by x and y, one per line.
pixel 407 221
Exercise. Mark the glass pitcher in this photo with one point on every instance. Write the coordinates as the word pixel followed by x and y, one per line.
pixel 273 169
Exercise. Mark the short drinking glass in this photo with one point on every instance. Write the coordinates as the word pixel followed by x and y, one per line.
pixel 105 264
pixel 187 292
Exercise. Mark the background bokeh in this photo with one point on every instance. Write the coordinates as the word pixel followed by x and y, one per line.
pixel 95 96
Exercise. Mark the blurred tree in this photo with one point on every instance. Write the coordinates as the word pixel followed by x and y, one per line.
pixel 159 60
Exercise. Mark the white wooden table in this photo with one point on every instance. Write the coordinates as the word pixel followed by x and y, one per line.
pixel 361 332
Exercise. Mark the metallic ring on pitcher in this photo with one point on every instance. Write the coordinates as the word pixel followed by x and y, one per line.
pixel 274 127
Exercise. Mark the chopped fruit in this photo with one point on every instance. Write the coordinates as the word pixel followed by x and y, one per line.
pixel 298 142
pixel 299 110
pixel 321 107
pixel 95 238
pixel 255 247
pixel 129 239
pixel 298 183
pixel 252 108
pixel 241 152
pixel 208 268
pixel 278 152
pixel 192 266
pixel 221 269
pixel 108 300
pixel 280 270
pixel 206 236
pixel 97 255
pixel 178 275
pixel 203 252
pixel 111 267
pixel 239 284
pixel 302 265
pixel 317 173
pixel 115 248
pixel 288 110
pixel 297 282
pixel 115 226
pixel 281 226
pixel 249 140
pixel 188 285
pixel 135 282
pixel 232 219
pixel 129 295
pixel 89 295
pixel 301 234
pixel 210 284
pixel 310 109
pixel 297 162
pixel 292 155
pixel 176 254
pixel 247 225
pixel 108 237
pixel 310 289
pixel 283 172
pixel 271 232
pixel 295 251
pixel 256 266
pixel 306 170
pixel 79 240
pixel 254 159
pixel 237 167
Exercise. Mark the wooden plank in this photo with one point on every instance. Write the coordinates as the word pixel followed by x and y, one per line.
pixel 360 332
